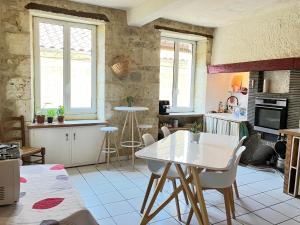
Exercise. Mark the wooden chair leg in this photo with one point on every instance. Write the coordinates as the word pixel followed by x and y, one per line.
pixel 185 196
pixel 236 190
pixel 43 153
pixel 152 178
pixel 188 221
pixel 176 200
pixel 232 203
pixel 227 205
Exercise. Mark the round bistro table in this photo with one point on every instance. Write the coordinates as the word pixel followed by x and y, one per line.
pixel 132 123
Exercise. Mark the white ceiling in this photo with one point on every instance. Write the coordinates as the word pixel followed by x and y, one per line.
pixel 211 13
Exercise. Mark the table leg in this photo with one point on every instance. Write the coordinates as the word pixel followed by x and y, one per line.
pixel 137 125
pixel 146 217
pixel 132 137
pixel 124 126
pixel 189 193
pixel 199 194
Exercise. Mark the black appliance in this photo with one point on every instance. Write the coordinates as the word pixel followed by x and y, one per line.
pixel 163 106
pixel 270 114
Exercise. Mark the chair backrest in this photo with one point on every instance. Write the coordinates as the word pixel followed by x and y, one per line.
pixel 165 131
pixel 241 142
pixel 148 139
pixel 13 130
pixel 153 165
pixel 231 173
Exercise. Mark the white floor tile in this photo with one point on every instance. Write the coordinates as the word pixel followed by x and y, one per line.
pixel 278 194
pixel 234 222
pixel 103 188
pixel 252 219
pixel 294 202
pixel 170 221
pixel 132 193
pixel 110 197
pixel 249 204
pixel 290 222
pixel 128 219
pixel 119 208
pixel 238 209
pixel 272 216
pixel 297 218
pixel 286 209
pixel 107 221
pixel 91 200
pixel 99 212
pixel 115 195
pixel 246 191
pixel 265 199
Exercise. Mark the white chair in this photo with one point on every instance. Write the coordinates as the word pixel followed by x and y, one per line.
pixel 157 169
pixel 165 131
pixel 222 181
pixel 236 149
pixel 106 143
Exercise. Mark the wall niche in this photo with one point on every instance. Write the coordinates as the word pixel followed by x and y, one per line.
pixel 278 82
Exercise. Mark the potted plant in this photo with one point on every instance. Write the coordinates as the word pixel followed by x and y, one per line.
pixel 50 115
pixel 195 131
pixel 129 100
pixel 40 118
pixel 60 113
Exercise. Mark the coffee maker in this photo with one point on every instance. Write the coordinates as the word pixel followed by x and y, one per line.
pixel 164 105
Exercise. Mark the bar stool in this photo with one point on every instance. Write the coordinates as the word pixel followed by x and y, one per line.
pixel 105 147
pixel 143 128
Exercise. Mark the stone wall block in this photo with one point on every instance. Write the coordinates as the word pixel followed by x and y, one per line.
pixel 18 88
pixel 18 43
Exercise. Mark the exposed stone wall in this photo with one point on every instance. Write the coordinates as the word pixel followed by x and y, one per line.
pixel 142 45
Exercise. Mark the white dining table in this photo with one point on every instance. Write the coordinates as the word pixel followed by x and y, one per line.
pixel 212 151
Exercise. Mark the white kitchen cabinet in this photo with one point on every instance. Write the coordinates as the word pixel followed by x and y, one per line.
pixel 70 146
pixel 86 143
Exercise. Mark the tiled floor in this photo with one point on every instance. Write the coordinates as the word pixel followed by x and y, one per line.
pixel 114 197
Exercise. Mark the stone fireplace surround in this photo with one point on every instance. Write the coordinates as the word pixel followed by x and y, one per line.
pixel 293 96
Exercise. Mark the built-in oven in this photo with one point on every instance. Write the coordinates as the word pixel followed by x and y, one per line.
pixel 270 114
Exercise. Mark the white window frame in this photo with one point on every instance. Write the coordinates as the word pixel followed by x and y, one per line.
pixel 67 65
pixel 174 107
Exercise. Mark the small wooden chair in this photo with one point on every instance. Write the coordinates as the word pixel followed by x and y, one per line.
pixel 13 130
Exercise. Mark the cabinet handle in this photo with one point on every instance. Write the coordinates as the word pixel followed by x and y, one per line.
pixel 67 137
pixel 74 135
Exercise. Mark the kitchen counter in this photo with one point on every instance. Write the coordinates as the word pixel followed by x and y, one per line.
pixel 227 116
pixel 292 132
pixel 68 123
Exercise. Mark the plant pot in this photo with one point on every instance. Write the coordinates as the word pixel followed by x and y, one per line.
pixel 40 119
pixel 60 119
pixel 195 137
pixel 50 119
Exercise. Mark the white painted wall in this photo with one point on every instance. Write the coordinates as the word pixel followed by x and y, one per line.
pixel 267 36
pixel 218 87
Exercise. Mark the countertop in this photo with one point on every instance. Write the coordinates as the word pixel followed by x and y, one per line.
pixel 69 123
pixel 188 114
pixel 227 116
pixel 293 132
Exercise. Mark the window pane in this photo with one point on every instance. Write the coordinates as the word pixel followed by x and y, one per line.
pixel 185 74
pixel 81 67
pixel 51 64
pixel 167 50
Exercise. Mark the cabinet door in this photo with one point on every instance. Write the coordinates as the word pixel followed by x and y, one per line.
pixel 86 144
pixel 57 142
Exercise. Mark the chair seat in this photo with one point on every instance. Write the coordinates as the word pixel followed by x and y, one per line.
pixel 144 126
pixel 109 129
pixel 28 151
pixel 215 179
pixel 172 172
